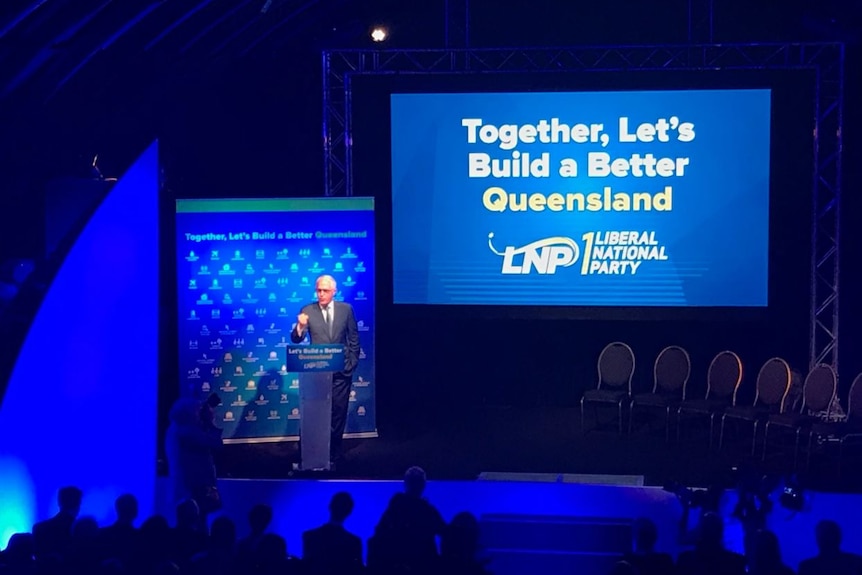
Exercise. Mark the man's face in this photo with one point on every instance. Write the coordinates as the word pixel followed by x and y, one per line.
pixel 325 292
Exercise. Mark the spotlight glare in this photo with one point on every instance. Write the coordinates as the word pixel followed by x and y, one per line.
pixel 378 34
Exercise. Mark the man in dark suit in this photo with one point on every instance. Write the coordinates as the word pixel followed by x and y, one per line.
pixel 328 321
pixel 709 556
pixel 52 536
pixel 405 538
pixel 331 548
pixel 831 558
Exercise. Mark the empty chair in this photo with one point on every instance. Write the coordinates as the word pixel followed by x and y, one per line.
pixel 722 380
pixel 670 376
pixel 819 390
pixel 773 384
pixel 847 431
pixel 616 366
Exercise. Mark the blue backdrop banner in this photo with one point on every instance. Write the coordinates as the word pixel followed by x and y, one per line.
pixel 245 268
pixel 650 198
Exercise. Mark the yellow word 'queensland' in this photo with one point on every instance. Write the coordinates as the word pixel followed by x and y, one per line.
pixel 496 199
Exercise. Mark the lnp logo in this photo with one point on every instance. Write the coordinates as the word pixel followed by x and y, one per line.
pixel 544 255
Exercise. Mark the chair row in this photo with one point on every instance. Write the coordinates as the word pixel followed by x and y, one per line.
pixel 773 407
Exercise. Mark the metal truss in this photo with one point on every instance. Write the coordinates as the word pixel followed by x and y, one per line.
pixel 825 60
pixel 457 23
pixel 701 21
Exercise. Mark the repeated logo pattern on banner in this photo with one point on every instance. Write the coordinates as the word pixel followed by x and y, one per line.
pixel 244 269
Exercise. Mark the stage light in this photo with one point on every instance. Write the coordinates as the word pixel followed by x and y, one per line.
pixel 379 34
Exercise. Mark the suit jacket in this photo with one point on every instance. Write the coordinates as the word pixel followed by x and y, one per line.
pixel 331 549
pixel 52 536
pixel 344 331
pixel 710 562
pixel 834 564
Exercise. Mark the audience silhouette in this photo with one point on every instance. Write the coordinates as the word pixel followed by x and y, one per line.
pixel 220 556
pixel 188 540
pixel 155 545
pixel 52 536
pixel 709 557
pixel 831 559
pixel 120 539
pixel 190 443
pixel 18 558
pixel 271 557
pixel 765 555
pixel 405 539
pixel 405 542
pixel 459 546
pixel 643 556
pixel 259 519
pixel 330 548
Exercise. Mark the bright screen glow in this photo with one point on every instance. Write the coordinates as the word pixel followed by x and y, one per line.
pixel 649 198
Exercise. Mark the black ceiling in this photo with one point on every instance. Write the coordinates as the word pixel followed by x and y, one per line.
pixel 46 46
pixel 79 77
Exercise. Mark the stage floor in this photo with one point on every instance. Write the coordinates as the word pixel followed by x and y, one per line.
pixel 460 445
pixel 530 472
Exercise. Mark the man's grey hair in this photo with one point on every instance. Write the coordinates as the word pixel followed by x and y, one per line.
pixel 327 278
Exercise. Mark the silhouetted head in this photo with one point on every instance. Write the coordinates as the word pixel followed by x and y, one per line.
pixel 340 506
pixel 259 518
pixel 126 506
pixel 214 400
pixel 85 530
pixel 765 552
pixel 460 539
pixel 19 550
pixel 711 531
pixel 644 534
pixel 414 481
pixel 187 513
pixel 154 538
pixel 271 553
pixel 155 532
pixel 69 500
pixel 828 535
pixel 206 413
pixel 222 533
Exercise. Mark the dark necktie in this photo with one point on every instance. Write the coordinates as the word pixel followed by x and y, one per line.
pixel 327 317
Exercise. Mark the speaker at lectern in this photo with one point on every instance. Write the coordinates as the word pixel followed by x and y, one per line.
pixel 315 364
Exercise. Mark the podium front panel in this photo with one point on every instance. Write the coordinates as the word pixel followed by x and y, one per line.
pixel 315 404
